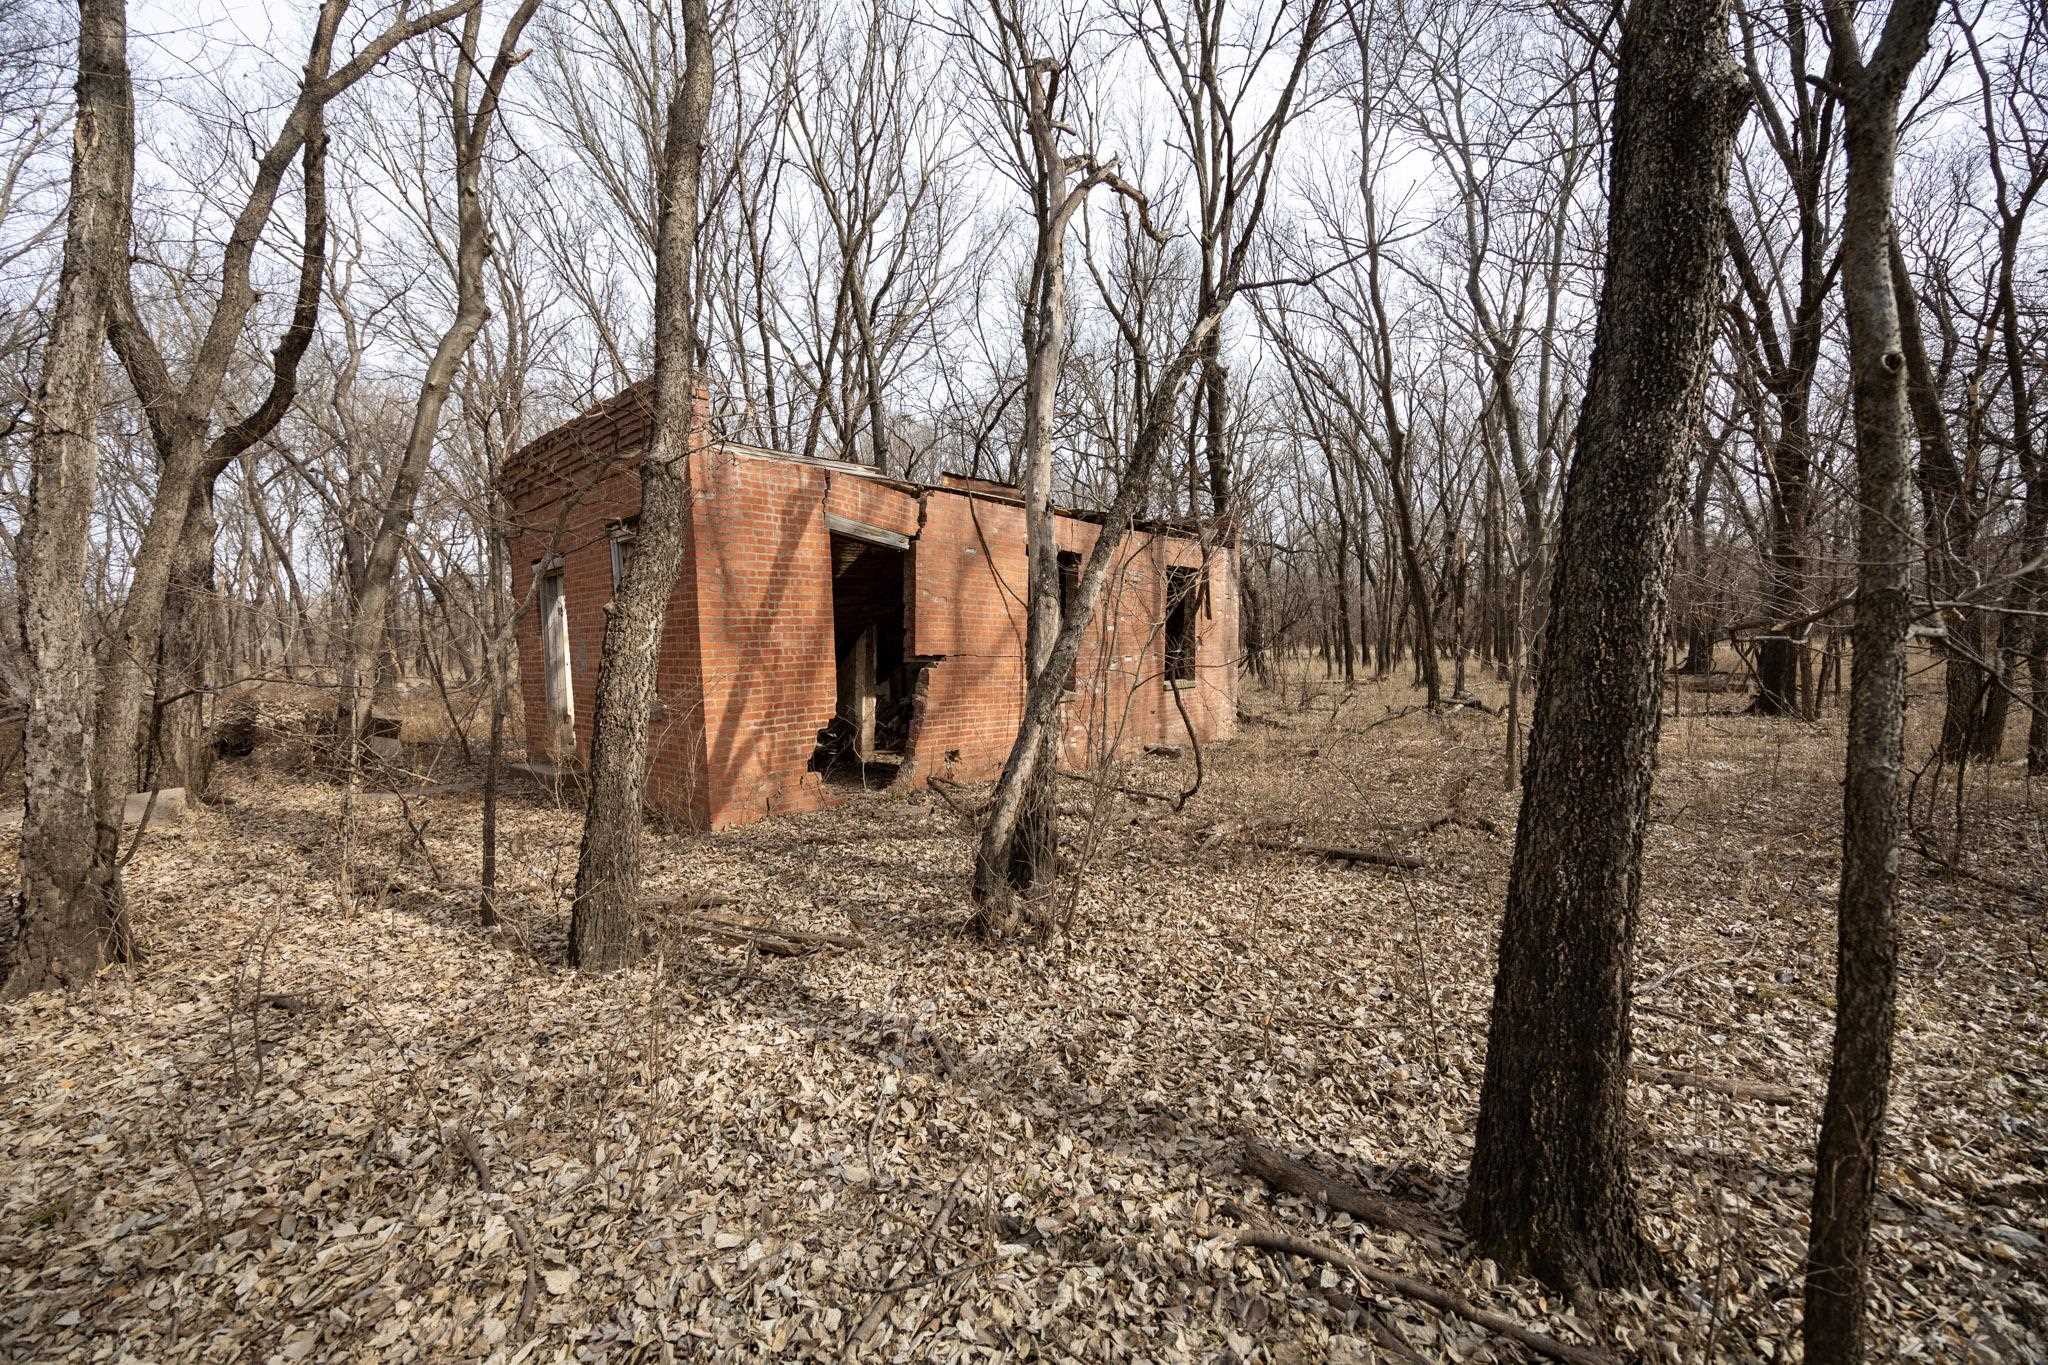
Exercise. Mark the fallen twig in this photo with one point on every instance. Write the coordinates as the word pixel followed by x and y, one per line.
pixel 944 789
pixel 1741 1090
pixel 1478 822
pixel 1135 793
pixel 773 939
pixel 1683 969
pixel 466 1141
pixel 2030 894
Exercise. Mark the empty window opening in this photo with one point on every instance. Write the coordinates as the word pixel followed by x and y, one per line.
pixel 1070 593
pixel 1183 593
pixel 622 549
pixel 863 744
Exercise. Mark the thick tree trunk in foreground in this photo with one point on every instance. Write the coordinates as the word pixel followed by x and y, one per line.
pixel 1550 1191
pixel 604 929
pixel 1859 1076
pixel 183 405
pixel 66 928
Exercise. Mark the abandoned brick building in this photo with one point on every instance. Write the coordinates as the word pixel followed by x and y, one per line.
pixel 812 594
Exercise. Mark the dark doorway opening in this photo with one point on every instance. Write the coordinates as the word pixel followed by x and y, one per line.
pixel 1182 591
pixel 863 744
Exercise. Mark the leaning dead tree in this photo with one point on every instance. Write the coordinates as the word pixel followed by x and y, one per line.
pixel 470 131
pixel 1550 1191
pixel 1016 855
pixel 604 930
pixel 1032 88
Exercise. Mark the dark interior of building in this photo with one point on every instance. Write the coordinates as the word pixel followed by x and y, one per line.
pixel 868 627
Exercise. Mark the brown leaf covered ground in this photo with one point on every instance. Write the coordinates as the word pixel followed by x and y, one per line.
pixel 271 1140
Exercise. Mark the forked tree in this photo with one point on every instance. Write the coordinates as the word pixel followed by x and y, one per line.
pixel 1550 1191
pixel 471 117
pixel 1031 87
pixel 1017 849
pixel 71 910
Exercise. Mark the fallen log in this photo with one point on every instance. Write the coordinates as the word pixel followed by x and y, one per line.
pixel 811 936
pixel 1289 1176
pixel 774 945
pixel 1741 1090
pixel 1342 853
pixel 1268 1238
pixel 773 939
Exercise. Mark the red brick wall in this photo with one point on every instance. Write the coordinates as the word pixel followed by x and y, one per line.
pixel 748 669
pixel 567 517
pixel 970 575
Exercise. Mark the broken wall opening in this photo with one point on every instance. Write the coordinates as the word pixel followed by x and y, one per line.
pixel 864 742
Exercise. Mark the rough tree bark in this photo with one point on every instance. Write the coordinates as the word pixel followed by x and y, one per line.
pixel 604 929
pixel 65 927
pixel 1859 1075
pixel 1550 1191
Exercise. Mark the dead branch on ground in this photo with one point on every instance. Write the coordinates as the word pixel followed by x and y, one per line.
pixel 1341 852
pixel 1290 1176
pixel 1737 1089
pixel 775 940
pixel 1269 1238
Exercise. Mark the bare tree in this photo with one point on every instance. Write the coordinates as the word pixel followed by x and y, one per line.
pixel 1871 89
pixel 1550 1190
pixel 470 130
pixel 1017 846
pixel 66 926
pixel 1779 318
pixel 182 411
pixel 1030 86
pixel 604 929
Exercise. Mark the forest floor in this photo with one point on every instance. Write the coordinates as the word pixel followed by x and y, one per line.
pixel 328 1117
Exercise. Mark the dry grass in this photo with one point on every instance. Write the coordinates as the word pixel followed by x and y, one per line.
pixel 258 1141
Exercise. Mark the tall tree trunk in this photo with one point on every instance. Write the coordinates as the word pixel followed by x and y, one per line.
pixel 1550 1191
pixel 604 929
pixel 181 410
pixel 1785 568
pixel 66 925
pixel 1859 1076
pixel 1949 509
pixel 1037 745
pixel 177 731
